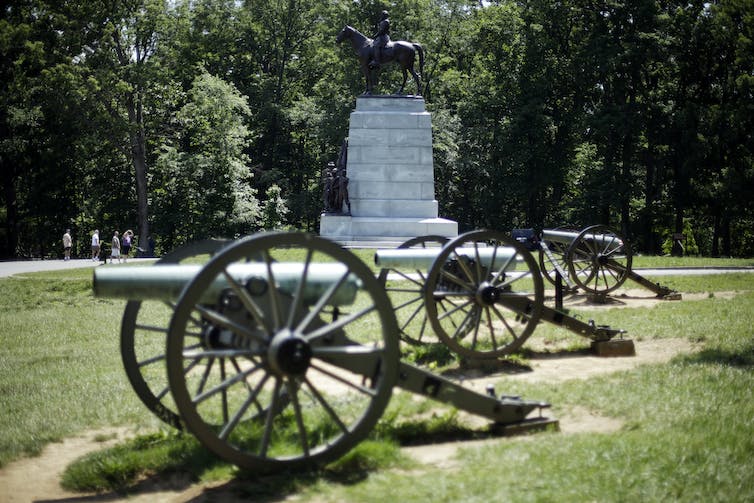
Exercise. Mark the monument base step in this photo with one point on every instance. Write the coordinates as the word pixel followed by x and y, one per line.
pixel 372 242
pixel 345 229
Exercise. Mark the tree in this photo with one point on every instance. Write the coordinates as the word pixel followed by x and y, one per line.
pixel 544 113
pixel 729 180
pixel 37 142
pixel 204 179
pixel 274 210
pixel 18 116
pixel 120 68
pixel 478 68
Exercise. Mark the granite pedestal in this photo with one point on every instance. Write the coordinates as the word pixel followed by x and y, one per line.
pixel 391 175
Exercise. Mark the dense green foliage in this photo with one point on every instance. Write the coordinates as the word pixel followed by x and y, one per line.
pixel 177 118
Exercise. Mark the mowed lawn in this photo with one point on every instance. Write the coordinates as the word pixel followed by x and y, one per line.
pixel 687 426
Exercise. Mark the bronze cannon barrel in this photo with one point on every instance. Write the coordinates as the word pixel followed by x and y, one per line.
pixel 567 237
pixel 166 282
pixel 423 258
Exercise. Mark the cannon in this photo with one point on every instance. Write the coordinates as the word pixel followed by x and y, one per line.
pixel 142 338
pixel 481 294
pixel 277 351
pixel 597 260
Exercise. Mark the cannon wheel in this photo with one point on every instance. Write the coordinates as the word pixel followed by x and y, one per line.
pixel 412 316
pixel 481 313
pixel 560 253
pixel 599 267
pixel 336 364
pixel 145 366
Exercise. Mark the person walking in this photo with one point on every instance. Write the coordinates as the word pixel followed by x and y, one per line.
pixel 67 243
pixel 95 246
pixel 115 248
pixel 126 244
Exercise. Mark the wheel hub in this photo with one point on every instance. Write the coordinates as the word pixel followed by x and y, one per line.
pixel 289 354
pixel 487 294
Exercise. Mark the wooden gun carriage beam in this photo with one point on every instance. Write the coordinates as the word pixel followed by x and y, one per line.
pixel 281 351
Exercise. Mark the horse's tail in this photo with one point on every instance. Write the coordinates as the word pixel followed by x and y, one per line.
pixel 420 50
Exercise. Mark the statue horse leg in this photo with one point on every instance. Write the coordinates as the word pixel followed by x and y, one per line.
pixel 367 76
pixel 406 61
pixel 418 81
pixel 405 78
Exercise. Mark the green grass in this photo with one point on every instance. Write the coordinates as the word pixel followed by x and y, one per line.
pixel 728 282
pixel 687 433
pixel 122 466
pixel 686 437
pixel 647 261
pixel 687 425
pixel 697 320
pixel 60 369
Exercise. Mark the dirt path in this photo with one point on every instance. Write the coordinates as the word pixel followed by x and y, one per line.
pixel 37 478
pixel 554 368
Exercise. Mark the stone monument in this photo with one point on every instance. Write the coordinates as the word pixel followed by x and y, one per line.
pixel 391 179
pixel 390 174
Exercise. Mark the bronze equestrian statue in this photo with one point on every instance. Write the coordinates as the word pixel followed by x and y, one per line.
pixel 374 53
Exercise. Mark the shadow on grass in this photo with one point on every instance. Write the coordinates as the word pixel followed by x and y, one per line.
pixel 743 358
pixel 147 463
pixel 513 364
pixel 268 488
pixel 431 353
pixel 117 478
pixel 175 462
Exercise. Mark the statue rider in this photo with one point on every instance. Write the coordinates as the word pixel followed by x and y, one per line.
pixel 381 39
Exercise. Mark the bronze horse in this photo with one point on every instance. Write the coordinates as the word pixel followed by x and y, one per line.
pixel 401 52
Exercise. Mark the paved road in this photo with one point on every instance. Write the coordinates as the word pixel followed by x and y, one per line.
pixel 22 266
pixel 691 271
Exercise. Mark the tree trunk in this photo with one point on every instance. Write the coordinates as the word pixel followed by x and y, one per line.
pixel 677 250
pixel 139 160
pixel 725 231
pixel 625 187
pixel 11 212
pixel 648 216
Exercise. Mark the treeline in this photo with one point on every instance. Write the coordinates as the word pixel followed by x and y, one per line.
pixel 211 118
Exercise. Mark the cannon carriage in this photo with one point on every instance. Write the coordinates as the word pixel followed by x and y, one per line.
pixel 481 294
pixel 596 260
pixel 281 350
